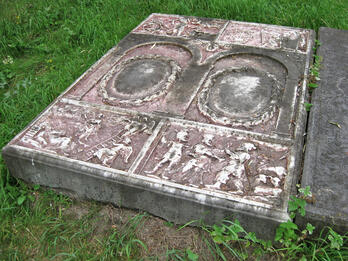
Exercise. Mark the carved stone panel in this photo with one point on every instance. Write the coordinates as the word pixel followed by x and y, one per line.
pixel 184 116
pixel 178 26
pixel 266 36
pixel 91 135
pixel 218 161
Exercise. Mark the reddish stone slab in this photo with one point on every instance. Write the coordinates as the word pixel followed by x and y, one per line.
pixel 186 116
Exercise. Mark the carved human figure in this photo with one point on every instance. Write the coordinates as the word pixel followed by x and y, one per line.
pixel 51 139
pixel 107 156
pixel 235 168
pixel 201 149
pixel 202 156
pixel 93 124
pixel 174 154
pixel 143 124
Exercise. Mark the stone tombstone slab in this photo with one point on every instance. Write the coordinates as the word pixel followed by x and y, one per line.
pixel 186 118
pixel 326 160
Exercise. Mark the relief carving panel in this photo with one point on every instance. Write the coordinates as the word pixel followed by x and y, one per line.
pixel 210 160
pixel 265 36
pixel 89 134
pixel 179 26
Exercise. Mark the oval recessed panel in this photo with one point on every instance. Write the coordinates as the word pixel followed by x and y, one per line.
pixel 241 96
pixel 139 79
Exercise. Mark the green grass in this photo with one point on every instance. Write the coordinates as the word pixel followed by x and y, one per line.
pixel 44 46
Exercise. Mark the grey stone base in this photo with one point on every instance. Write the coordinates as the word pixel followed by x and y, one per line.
pixel 99 184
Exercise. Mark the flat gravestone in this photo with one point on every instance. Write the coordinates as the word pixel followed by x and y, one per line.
pixel 187 118
pixel 326 160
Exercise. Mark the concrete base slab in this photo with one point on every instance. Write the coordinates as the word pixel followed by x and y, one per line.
pixel 187 118
pixel 326 159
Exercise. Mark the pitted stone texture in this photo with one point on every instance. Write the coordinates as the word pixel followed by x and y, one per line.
pixel 180 120
pixel 326 160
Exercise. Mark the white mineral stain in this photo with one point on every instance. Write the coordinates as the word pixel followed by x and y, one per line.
pixel 263 178
pixel 248 146
pixel 245 84
pixel 201 197
pixel 276 147
pixel 291 35
pixel 182 135
pixel 267 191
pixel 164 140
pixel 279 170
pixel 190 164
pixel 172 156
pixel 31 142
pixel 275 181
pixel 127 140
pixel 146 69
pixel 61 142
pixel 208 138
pixel 233 168
pixel 40 138
pixel 107 156
pixel 200 149
pixel 243 157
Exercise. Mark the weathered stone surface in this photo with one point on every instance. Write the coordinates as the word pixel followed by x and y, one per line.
pixel 326 159
pixel 187 118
